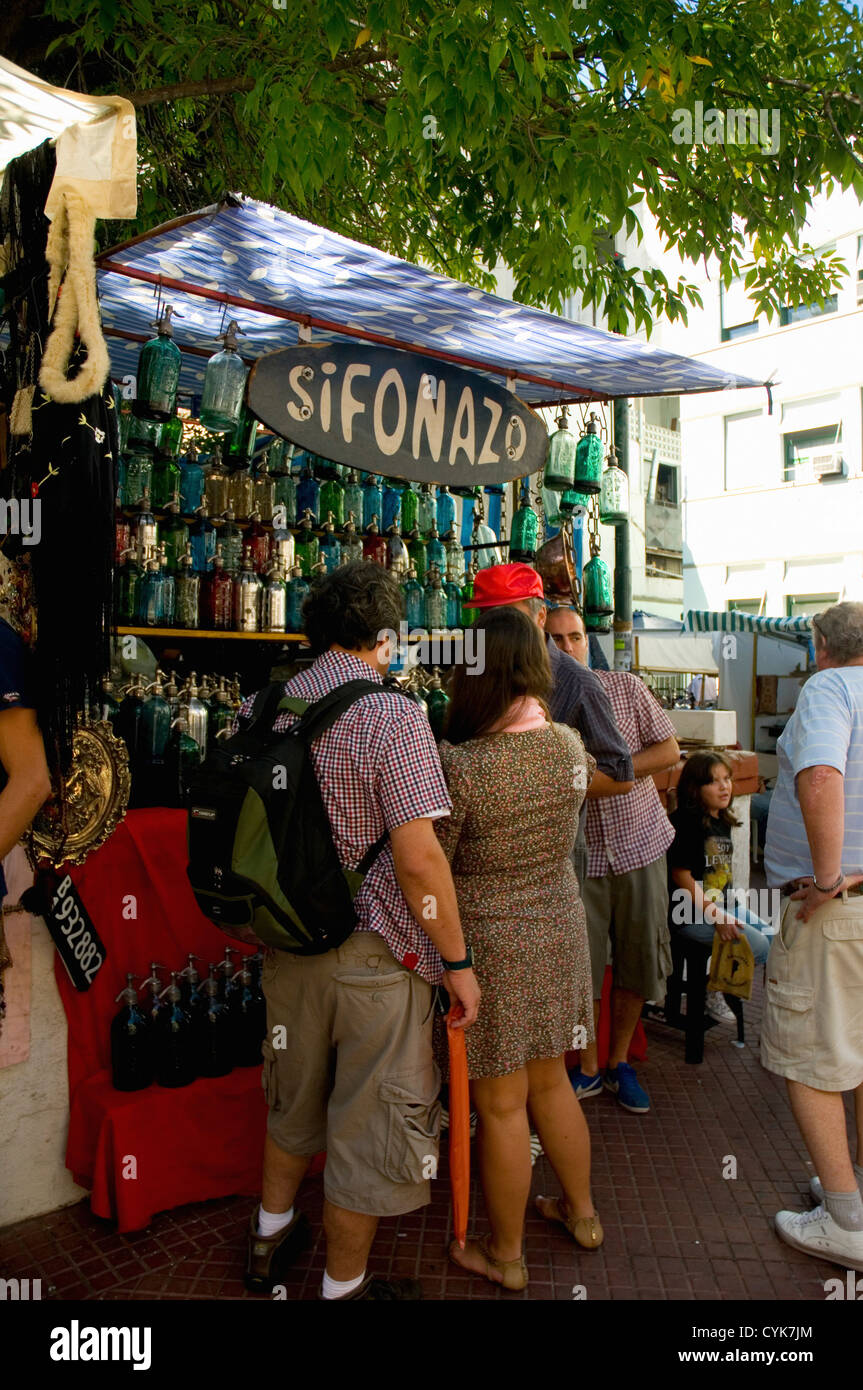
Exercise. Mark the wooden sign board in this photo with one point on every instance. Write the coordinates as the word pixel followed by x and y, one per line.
pixel 397 413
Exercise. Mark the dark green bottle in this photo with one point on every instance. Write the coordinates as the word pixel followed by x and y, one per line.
pixel 213 1041
pixel 173 1042
pixel 131 1053
pixel 158 374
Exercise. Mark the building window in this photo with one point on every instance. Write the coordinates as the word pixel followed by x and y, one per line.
pixel 813 454
pixel 752 606
pixel 797 313
pixel 667 489
pixel 806 605
pixel 663 564
pixel 735 311
pixel 750 458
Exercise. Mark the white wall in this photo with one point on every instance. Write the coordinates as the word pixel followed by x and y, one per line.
pixel 34 1094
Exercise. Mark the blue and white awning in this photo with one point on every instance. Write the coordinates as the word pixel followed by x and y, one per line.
pixel 793 629
pixel 273 272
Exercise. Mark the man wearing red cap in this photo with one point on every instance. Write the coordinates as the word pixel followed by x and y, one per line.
pixel 625 892
pixel 578 698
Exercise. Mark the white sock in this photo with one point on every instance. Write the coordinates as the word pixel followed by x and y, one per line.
pixel 335 1288
pixel 271 1222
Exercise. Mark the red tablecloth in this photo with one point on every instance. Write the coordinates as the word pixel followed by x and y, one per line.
pixel 146 1151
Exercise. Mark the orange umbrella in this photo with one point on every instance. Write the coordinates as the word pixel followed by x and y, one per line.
pixel 459 1125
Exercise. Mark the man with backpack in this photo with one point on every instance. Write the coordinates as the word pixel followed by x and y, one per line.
pixel 348 1063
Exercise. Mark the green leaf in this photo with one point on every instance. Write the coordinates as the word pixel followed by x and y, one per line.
pixel 496 54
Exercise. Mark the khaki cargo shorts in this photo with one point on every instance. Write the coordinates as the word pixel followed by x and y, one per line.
pixel 355 1075
pixel 632 909
pixel 812 1030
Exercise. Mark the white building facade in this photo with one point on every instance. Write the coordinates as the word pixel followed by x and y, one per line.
pixel 773 502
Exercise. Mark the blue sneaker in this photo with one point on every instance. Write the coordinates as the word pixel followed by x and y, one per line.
pixel 585 1086
pixel 623 1082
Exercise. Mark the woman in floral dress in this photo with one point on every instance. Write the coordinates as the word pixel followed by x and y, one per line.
pixel 517 782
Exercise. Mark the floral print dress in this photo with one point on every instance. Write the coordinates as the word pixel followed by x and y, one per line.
pixel 516 799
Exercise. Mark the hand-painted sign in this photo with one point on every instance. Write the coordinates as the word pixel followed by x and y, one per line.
pixel 397 413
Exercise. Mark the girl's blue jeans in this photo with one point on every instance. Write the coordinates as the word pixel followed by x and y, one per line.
pixel 752 930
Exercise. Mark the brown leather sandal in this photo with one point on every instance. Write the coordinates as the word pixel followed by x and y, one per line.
pixel 586 1231
pixel 514 1272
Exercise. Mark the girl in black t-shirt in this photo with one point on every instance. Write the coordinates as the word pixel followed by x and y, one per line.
pixel 700 884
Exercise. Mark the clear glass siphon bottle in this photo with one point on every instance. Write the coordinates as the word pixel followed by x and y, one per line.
pixel 247 596
pixel 187 588
pixel 224 384
pixel 352 543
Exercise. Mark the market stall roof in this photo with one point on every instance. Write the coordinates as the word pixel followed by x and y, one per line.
pixel 792 629
pixel 274 272
pixel 32 111
pixel 683 651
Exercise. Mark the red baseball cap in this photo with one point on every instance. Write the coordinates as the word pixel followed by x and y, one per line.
pixel 502 584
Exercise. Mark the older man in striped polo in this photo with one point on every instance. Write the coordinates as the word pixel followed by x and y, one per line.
pixel 813 1020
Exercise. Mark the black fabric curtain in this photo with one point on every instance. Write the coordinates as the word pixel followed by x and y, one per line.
pixel 65 466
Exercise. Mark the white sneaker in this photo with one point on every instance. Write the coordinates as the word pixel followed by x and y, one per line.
pixel 536 1149
pixel 816 1233
pixel 717 1008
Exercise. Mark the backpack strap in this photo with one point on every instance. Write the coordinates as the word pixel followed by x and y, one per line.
pixel 264 709
pixel 319 717
pixel 372 853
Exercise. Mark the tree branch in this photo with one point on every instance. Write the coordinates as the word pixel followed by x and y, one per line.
pixel 221 86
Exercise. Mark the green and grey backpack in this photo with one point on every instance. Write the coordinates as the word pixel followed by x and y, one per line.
pixel 262 862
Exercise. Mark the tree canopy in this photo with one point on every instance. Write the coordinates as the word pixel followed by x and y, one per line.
pixel 467 134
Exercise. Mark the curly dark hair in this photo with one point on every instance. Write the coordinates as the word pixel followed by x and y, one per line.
pixel 696 773
pixel 351 608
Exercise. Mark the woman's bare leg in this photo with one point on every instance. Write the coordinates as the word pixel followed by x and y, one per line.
pixel 563 1130
pixel 503 1136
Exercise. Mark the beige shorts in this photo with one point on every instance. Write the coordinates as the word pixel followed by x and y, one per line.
pixel 632 908
pixel 355 1074
pixel 812 1030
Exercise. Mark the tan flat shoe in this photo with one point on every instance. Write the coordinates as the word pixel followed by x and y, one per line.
pixel 586 1231
pixel 514 1272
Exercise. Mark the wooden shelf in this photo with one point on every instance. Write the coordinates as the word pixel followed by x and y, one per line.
pixel 182 632
pixel 435 634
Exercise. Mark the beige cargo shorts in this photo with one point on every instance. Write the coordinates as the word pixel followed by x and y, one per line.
pixel 812 1029
pixel 348 1068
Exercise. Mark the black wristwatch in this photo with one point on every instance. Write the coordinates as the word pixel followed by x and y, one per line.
pixel 466 964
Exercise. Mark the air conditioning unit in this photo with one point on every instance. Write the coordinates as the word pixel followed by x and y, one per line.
pixel 830 464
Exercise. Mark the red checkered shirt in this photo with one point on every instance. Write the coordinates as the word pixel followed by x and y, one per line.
pixel 629 832
pixel 378 768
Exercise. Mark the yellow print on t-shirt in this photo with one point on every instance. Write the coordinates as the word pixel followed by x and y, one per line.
pixel 717 866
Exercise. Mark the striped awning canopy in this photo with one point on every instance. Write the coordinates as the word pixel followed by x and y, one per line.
pixel 792 629
pixel 278 275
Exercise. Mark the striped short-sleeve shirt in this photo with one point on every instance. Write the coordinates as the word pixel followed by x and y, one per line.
pixel 826 729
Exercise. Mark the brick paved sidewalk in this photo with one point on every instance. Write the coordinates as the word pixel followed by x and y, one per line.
pixel 674 1227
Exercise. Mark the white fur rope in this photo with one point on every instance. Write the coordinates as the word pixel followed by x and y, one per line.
pixel 70 248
